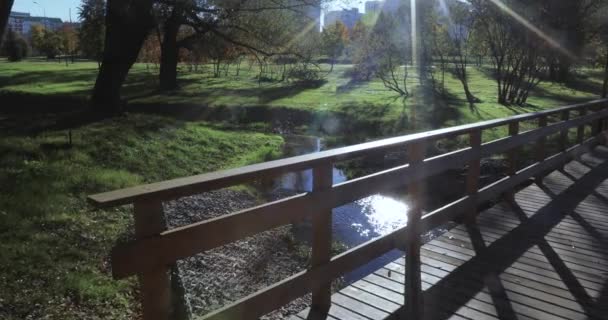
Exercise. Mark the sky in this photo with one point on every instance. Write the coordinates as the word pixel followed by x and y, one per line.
pixel 61 8
pixel 50 8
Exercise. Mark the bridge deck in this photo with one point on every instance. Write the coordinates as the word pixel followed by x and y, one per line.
pixel 543 257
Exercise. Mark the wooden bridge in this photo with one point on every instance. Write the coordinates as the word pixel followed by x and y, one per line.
pixel 538 251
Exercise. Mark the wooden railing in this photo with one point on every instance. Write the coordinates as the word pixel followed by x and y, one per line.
pixel 155 248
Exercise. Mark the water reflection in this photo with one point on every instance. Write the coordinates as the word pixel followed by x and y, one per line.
pixel 384 214
pixel 353 223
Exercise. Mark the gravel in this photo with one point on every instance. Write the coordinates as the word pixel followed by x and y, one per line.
pixel 223 275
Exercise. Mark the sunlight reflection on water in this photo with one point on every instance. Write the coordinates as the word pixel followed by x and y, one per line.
pixel 384 214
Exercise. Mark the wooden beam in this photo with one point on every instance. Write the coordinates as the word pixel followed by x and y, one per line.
pixel 542 141
pixel 541 146
pixel 322 236
pixel 413 283
pixel 563 137
pixel 473 173
pixel 580 132
pixel 155 284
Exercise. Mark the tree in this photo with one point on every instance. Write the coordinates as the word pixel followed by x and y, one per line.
pixel 5 11
pixel 460 36
pixel 128 23
pixel 518 53
pixel 69 40
pixel 334 40
pixel 51 45
pixel 37 36
pixel 92 29
pixel 569 23
pixel 15 46
pixel 392 52
pixel 243 23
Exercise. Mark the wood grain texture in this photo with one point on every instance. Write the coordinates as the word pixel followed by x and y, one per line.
pixel 541 257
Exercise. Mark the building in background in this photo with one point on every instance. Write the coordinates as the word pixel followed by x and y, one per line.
pixel 22 22
pixel 348 17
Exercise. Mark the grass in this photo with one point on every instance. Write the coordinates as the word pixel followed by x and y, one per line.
pixel 53 247
pixel 367 102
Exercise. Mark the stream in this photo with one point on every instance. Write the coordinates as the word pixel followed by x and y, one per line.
pixel 353 223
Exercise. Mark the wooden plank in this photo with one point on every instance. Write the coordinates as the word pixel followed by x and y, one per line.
pixel 563 137
pixel 527 295
pixel 321 236
pixel 473 172
pixel 155 284
pixel 359 307
pixel 580 131
pixel 281 293
pixel 413 290
pixel 512 158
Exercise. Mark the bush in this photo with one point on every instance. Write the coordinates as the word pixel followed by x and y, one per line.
pixel 15 47
pixel 304 74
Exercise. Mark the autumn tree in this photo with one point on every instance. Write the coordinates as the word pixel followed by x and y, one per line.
pixel 92 29
pixel 69 40
pixel 37 33
pixel 334 40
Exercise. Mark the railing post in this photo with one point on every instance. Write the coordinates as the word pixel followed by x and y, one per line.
pixel 473 173
pixel 512 158
pixel 541 144
pixel 596 127
pixel 155 286
pixel 563 136
pixel 580 131
pixel 321 237
pixel 413 285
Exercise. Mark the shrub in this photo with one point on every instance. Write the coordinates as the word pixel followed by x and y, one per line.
pixel 15 46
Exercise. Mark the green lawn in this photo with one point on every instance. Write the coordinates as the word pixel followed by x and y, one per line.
pixel 369 102
pixel 53 247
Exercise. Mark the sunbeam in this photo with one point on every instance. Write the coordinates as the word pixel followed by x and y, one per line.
pixel 308 28
pixel 552 42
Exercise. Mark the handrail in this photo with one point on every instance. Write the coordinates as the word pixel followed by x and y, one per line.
pixel 225 229
pixel 176 188
pixel 155 247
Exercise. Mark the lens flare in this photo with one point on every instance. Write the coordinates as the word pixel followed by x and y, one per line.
pixel 527 24
pixel 308 28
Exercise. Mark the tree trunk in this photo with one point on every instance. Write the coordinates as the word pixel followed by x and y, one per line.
pixel 5 11
pixel 564 70
pixel 605 88
pixel 127 25
pixel 170 51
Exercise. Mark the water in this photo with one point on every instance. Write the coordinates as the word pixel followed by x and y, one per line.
pixel 353 223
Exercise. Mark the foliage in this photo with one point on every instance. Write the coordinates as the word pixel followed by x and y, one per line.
pixel 69 39
pixel 388 53
pixel 92 28
pixel 53 247
pixel 37 33
pixel 334 39
pixel 518 56
pixel 459 38
pixel 15 47
pixel 49 42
